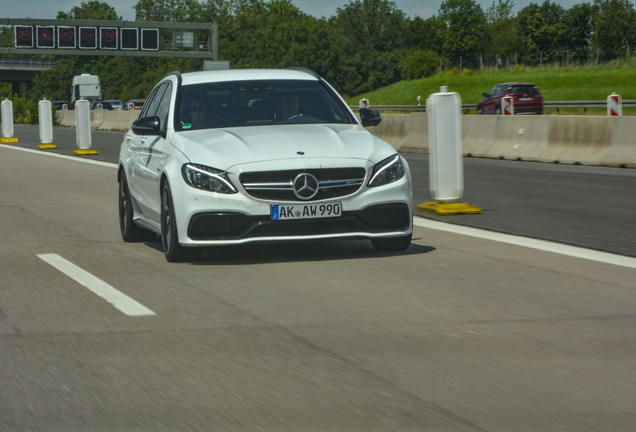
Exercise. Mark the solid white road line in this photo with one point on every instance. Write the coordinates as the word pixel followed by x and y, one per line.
pixel 61 156
pixel 121 301
pixel 543 245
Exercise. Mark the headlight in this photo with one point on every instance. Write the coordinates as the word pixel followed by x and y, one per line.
pixel 204 177
pixel 387 171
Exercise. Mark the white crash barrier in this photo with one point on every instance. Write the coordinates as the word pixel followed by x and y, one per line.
pixel 45 117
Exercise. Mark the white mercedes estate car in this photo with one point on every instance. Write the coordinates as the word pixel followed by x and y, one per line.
pixel 239 156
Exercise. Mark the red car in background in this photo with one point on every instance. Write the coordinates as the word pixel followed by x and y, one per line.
pixel 526 97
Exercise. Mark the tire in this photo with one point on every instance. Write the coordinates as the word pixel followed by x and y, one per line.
pixel 130 231
pixel 498 110
pixel 172 250
pixel 479 110
pixel 392 243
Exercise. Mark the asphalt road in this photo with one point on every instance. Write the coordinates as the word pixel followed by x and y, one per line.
pixel 458 333
pixel 590 207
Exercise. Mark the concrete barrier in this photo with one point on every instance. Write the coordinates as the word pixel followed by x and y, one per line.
pixel 101 119
pixel 586 140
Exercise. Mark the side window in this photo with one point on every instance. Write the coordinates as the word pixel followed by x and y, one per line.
pixel 153 101
pixel 163 107
pixel 146 106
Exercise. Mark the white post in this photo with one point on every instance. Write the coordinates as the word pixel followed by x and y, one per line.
pixel 83 127
pixel 7 121
pixel 445 163
pixel 445 145
pixel 614 105
pixel 507 105
pixel 45 115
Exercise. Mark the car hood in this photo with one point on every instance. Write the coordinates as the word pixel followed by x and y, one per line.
pixel 284 144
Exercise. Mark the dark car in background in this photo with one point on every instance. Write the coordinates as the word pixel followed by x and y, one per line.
pixel 61 105
pixel 526 97
pixel 135 104
pixel 116 104
pixel 105 105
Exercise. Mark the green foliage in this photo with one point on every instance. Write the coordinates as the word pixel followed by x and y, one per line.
pixel 5 90
pixel 502 30
pixel 555 83
pixel 614 27
pixel 465 30
pixel 366 45
pixel 419 64
pixel 541 31
pixel 93 9
pixel 24 110
pixel 577 31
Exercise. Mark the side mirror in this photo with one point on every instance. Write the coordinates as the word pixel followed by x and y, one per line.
pixel 147 126
pixel 485 94
pixel 370 117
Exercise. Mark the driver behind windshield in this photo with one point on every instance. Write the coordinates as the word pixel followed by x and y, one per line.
pixel 195 112
pixel 288 105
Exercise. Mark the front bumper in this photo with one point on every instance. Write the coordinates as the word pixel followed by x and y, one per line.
pixel 210 219
pixel 374 221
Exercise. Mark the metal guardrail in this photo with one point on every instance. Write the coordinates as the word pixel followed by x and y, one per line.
pixel 631 103
pixel 15 62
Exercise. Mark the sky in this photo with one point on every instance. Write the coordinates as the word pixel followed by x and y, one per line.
pixel 48 9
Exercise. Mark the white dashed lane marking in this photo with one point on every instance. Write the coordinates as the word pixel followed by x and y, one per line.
pixel 121 301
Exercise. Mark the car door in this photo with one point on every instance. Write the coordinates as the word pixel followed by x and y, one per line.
pixel 493 99
pixel 148 154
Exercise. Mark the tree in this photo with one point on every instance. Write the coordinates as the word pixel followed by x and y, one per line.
pixel 268 34
pixel 577 31
pixel 93 9
pixel 614 28
pixel 419 63
pixel 465 29
pixel 541 32
pixel 425 34
pixel 503 30
pixel 168 10
pixel 372 32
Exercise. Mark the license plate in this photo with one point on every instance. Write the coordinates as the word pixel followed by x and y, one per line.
pixel 306 211
pixel 524 99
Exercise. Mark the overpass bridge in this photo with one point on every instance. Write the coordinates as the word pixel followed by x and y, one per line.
pixel 20 71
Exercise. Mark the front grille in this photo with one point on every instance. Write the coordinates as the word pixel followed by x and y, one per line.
pixel 278 185
pixel 233 226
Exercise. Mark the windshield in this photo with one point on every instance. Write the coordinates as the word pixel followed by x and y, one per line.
pixel 523 89
pixel 253 103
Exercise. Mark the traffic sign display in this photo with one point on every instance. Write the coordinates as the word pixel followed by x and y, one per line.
pixel 66 37
pixel 129 38
pixel 150 39
pixel 108 38
pixel 45 36
pixel 88 37
pixel 112 37
pixel 24 37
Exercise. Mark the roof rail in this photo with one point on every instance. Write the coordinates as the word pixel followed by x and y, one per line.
pixel 306 70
